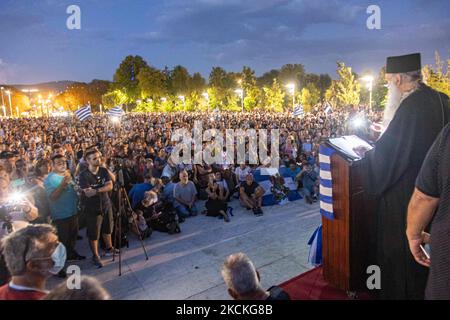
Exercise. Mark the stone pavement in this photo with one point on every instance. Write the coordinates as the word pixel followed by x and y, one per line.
pixel 187 265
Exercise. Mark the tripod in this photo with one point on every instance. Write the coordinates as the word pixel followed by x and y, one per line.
pixel 123 205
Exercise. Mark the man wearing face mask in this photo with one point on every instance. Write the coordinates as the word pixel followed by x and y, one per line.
pixel 414 116
pixel 32 255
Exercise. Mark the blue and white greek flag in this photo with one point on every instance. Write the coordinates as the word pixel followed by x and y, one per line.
pixel 315 250
pixel 328 109
pixel 115 112
pixel 326 182
pixel 298 110
pixel 83 113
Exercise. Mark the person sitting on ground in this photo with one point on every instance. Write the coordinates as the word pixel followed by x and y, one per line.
pixel 138 191
pixel 32 255
pixel 251 194
pixel 185 195
pixel 216 204
pixel 309 180
pixel 90 289
pixel 244 282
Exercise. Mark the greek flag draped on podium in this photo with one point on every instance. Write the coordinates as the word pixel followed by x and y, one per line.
pixel 83 113
pixel 298 110
pixel 326 182
pixel 115 112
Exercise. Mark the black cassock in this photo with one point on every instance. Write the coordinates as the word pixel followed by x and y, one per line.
pixel 390 171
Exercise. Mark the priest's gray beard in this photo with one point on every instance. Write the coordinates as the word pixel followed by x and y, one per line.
pixel 393 102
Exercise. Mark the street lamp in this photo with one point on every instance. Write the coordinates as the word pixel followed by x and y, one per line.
pixel 3 99
pixel 240 93
pixel 8 92
pixel 369 80
pixel 291 88
pixel 206 96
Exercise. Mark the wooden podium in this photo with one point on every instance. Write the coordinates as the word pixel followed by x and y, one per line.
pixel 346 241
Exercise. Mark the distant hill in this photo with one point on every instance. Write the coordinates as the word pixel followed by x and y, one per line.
pixel 55 86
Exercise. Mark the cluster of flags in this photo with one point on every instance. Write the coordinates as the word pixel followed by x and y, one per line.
pixel 85 112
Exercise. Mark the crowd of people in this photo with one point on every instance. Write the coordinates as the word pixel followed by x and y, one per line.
pixel 68 173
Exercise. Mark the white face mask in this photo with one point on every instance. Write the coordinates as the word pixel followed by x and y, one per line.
pixel 59 259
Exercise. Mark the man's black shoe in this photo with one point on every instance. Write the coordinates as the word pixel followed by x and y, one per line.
pixel 76 257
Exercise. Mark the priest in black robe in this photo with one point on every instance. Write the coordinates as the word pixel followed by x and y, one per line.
pixel 414 116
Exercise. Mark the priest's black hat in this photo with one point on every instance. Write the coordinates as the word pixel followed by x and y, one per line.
pixel 402 64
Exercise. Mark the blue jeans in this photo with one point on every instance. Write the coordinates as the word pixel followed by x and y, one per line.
pixel 184 212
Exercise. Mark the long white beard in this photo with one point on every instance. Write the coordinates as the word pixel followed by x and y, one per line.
pixel 393 102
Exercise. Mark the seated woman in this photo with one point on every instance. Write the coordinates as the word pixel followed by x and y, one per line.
pixel 216 204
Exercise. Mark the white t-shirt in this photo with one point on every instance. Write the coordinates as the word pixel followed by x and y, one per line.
pixel 242 173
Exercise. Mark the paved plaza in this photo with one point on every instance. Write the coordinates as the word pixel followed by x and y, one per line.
pixel 187 265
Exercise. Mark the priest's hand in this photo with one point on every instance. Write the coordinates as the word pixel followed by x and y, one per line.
pixel 360 151
pixel 416 250
pixel 375 131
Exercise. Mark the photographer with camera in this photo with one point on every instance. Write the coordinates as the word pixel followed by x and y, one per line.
pixel 16 211
pixel 95 183
pixel 15 214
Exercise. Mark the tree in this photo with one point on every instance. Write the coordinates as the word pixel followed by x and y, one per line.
pixel 347 87
pixel 324 84
pixel 331 93
pixel 126 77
pixel 436 77
pixel 309 97
pixel 96 89
pixel 114 98
pixel 198 83
pixel 221 85
pixel 266 80
pixel 252 93
pixel 179 81
pixel 292 73
pixel 379 92
pixel 274 97
pixel 152 83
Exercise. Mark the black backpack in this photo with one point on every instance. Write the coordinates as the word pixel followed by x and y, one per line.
pixel 164 218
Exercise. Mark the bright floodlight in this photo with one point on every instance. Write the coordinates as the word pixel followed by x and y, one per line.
pixel 239 92
pixel 205 95
pixel 115 119
pixel 367 78
pixel 16 197
pixel 163 99
pixel 358 122
pixel 291 87
pixel 182 98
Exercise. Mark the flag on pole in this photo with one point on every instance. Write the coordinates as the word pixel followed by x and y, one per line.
pixel 326 182
pixel 315 250
pixel 115 112
pixel 298 110
pixel 328 108
pixel 83 113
